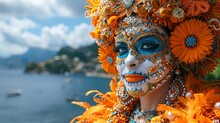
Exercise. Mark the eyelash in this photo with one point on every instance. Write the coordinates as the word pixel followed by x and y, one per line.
pixel 152 46
pixel 117 49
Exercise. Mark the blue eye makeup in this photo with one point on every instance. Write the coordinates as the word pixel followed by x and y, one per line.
pixel 122 49
pixel 150 44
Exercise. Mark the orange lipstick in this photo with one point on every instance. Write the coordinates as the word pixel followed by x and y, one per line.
pixel 134 77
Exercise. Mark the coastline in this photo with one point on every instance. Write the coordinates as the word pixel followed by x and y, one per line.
pixel 101 75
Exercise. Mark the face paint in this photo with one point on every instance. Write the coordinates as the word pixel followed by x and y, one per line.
pixel 149 44
pixel 122 49
pixel 144 61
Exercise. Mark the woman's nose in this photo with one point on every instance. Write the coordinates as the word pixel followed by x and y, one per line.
pixel 131 62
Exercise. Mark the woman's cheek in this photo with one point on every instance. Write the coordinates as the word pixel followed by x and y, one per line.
pixel 120 68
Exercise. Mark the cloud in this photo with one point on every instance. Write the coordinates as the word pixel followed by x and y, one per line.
pixel 79 36
pixel 15 34
pixel 24 24
pixel 42 8
pixel 75 6
pixel 61 35
pixel 7 49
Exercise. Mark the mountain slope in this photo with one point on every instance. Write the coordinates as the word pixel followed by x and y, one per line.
pixel 81 60
pixel 32 55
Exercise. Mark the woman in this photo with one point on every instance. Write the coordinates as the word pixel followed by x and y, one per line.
pixel 159 73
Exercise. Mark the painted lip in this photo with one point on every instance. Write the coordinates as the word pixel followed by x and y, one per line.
pixel 134 77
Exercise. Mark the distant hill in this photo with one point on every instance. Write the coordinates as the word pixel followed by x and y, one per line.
pixel 32 55
pixel 81 60
pixel 85 54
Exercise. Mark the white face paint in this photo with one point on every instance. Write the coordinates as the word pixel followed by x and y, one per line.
pixel 144 61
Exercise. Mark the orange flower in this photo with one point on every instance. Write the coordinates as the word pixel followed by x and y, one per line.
pixel 113 22
pixel 94 20
pixel 107 58
pixel 126 7
pixel 142 11
pixel 93 6
pixel 195 7
pixel 91 10
pixel 163 21
pixel 191 41
pixel 96 32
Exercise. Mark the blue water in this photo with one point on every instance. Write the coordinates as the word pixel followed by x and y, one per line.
pixel 43 96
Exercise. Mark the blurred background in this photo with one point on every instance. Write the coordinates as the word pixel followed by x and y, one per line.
pixel 47 60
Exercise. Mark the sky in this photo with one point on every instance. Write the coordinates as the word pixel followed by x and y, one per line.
pixel 47 24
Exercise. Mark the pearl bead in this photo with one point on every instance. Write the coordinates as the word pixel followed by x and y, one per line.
pixel 189 94
pixel 217 105
pixel 170 115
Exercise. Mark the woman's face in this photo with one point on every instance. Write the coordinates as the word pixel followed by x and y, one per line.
pixel 144 61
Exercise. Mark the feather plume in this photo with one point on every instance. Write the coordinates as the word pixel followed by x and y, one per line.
pixel 93 91
pixel 113 84
pixel 82 104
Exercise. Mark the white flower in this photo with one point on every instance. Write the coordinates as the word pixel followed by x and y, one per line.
pixel 178 13
pixel 127 3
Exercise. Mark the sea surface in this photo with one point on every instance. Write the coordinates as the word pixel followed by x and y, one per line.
pixel 44 98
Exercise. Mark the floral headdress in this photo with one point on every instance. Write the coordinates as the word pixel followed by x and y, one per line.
pixel 194 26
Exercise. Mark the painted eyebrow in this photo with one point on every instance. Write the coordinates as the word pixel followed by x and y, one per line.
pixel 148 38
pixel 117 44
pixel 120 43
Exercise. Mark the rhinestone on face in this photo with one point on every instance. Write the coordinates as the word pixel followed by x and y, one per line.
pixel 127 3
pixel 191 41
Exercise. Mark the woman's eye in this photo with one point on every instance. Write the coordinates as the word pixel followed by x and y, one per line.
pixel 122 50
pixel 149 46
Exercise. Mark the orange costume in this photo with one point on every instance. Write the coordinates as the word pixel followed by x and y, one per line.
pixel 156 45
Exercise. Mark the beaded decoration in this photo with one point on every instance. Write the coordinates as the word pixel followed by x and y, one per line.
pixel 193 42
pixel 184 17
pixel 177 88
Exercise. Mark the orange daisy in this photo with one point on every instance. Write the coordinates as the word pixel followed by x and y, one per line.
pixel 113 21
pixel 93 6
pixel 107 58
pixel 163 21
pixel 191 41
pixel 126 7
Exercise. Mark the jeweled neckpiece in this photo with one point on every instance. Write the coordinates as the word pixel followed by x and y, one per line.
pixel 142 117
